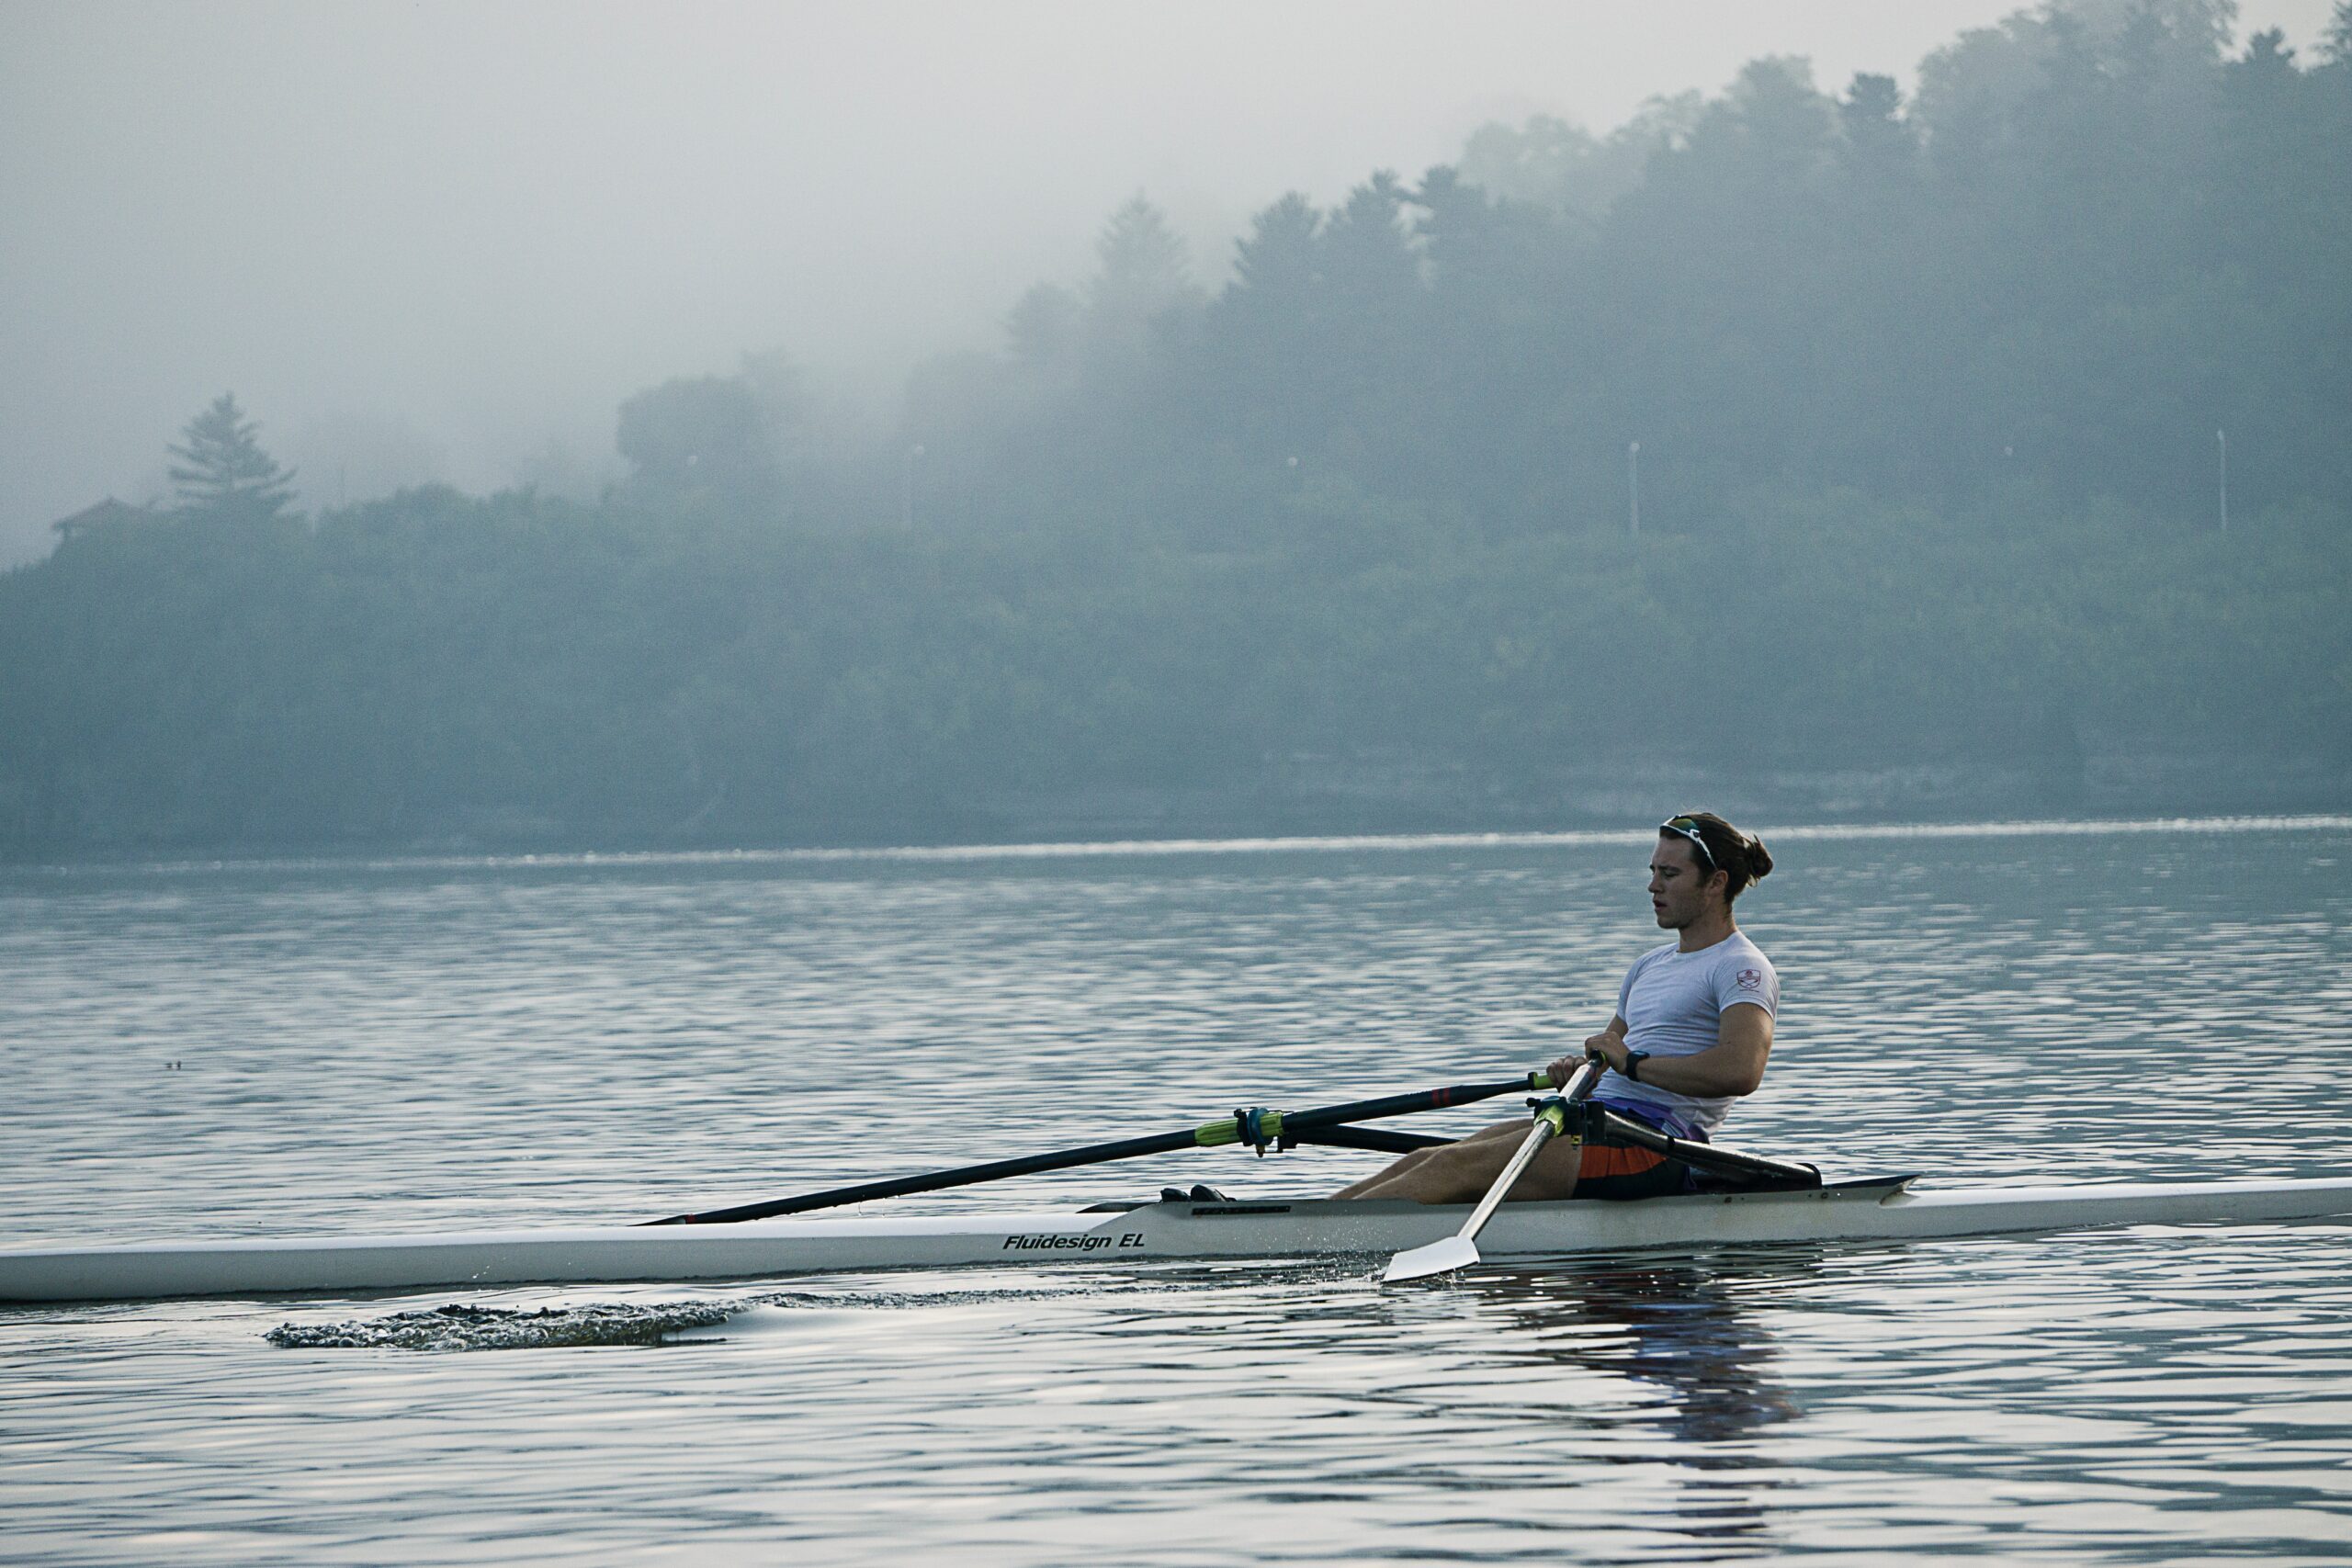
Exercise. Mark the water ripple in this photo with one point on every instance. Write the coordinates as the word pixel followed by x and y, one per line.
pixel 250 1049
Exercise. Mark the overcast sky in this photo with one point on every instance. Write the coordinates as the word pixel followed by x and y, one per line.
pixel 427 238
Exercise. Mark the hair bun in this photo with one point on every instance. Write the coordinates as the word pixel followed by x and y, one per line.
pixel 1759 859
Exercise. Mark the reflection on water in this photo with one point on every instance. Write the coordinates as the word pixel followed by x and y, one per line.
pixel 1672 1323
pixel 1677 1326
pixel 411 1046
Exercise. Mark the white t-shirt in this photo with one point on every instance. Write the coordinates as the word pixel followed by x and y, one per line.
pixel 1673 1003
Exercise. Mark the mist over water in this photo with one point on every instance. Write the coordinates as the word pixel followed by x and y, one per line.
pixel 459 1043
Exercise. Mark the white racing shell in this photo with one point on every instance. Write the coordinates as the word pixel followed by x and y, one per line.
pixel 1883 1210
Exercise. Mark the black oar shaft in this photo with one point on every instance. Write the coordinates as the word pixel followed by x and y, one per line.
pixel 1407 1104
pixel 932 1181
pixel 1380 1140
pixel 1754 1170
pixel 1240 1128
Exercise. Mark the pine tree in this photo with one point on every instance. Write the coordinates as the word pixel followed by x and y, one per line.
pixel 1146 271
pixel 2335 42
pixel 223 470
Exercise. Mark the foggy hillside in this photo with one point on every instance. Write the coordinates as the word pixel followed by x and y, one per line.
pixel 1827 446
pixel 441 241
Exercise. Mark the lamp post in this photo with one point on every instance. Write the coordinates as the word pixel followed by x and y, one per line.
pixel 1633 487
pixel 2221 439
pixel 907 488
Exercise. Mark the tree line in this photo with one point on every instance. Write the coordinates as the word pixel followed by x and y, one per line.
pixel 1923 404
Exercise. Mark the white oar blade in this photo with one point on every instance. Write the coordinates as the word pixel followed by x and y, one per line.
pixel 1446 1257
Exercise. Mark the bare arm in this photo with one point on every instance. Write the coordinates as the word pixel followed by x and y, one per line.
pixel 1733 1064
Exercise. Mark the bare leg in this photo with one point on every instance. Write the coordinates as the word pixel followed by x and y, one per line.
pixel 1461 1172
pixel 1419 1158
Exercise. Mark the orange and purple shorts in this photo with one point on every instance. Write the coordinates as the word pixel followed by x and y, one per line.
pixel 1619 1170
pixel 1612 1170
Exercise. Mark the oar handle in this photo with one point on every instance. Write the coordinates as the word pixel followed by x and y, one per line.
pixel 1585 1079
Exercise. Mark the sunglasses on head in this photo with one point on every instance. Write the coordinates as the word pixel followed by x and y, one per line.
pixel 1688 828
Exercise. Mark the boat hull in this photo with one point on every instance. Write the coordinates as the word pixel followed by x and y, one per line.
pixel 1850 1212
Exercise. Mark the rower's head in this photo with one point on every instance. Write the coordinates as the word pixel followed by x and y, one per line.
pixel 1701 863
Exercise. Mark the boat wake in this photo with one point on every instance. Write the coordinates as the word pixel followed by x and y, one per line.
pixel 460 1328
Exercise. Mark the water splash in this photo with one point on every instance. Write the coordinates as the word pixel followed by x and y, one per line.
pixel 461 1327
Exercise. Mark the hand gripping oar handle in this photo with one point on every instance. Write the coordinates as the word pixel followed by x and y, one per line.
pixel 1460 1250
pixel 1259 1129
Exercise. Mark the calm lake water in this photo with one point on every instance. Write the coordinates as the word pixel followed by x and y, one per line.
pixel 256 1049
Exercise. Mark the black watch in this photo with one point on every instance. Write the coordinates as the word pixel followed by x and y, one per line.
pixel 1634 1060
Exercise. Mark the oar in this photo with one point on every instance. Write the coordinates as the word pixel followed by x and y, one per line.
pixel 1460 1250
pixel 1258 1129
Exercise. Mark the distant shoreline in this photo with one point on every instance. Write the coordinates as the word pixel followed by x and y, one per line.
pixel 1148 848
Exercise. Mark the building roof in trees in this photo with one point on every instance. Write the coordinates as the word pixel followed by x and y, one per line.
pixel 103 514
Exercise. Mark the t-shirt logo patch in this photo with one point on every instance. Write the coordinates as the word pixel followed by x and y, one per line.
pixel 1751 980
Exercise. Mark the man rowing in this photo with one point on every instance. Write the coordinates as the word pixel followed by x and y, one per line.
pixel 1691 1033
